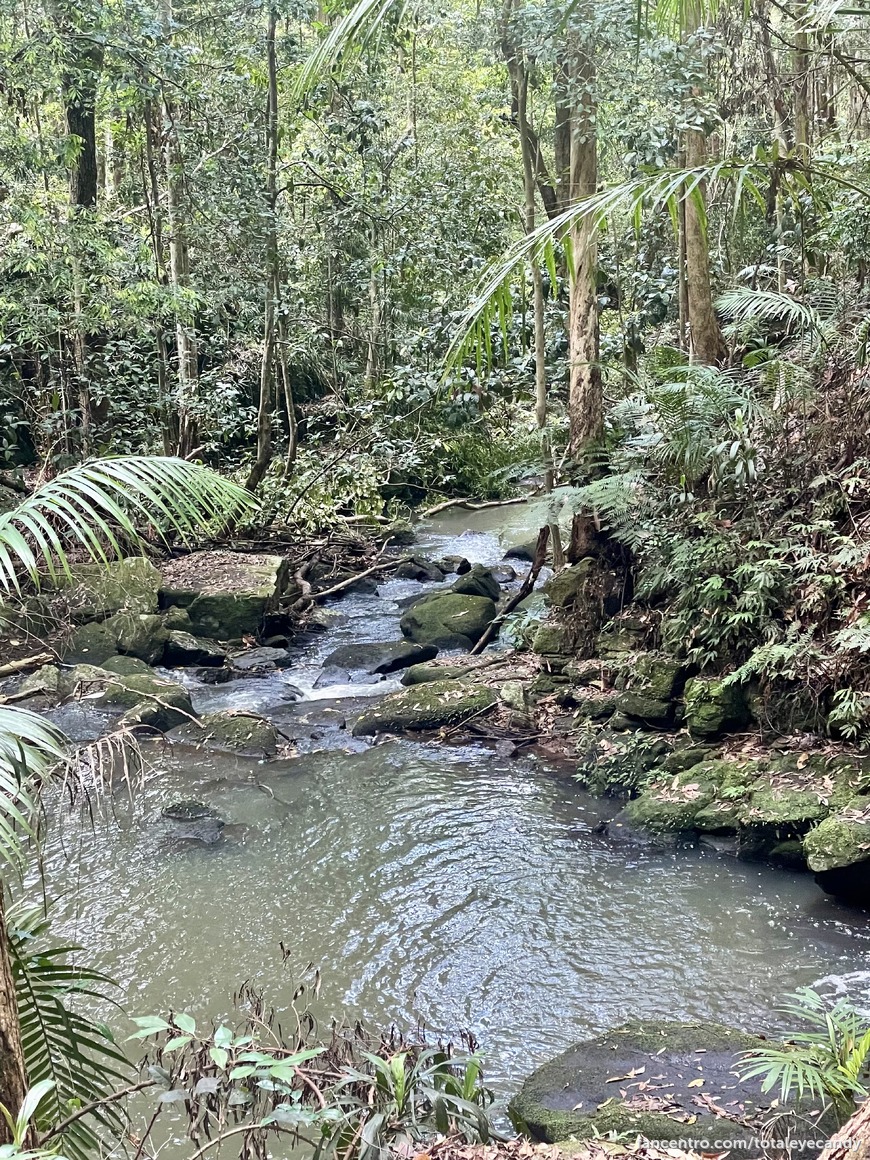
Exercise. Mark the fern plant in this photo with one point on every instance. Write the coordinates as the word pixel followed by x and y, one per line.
pixel 97 508
pixel 829 1061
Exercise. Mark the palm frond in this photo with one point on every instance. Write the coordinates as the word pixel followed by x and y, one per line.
pixel 96 504
pixel 29 748
pixel 650 193
pixel 349 37
pixel 78 1057
pixel 746 305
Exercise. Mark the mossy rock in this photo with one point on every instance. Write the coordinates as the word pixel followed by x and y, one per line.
pixel 478 581
pixel 554 639
pixel 177 619
pixel 590 705
pixel 142 636
pixel 400 532
pixel 43 682
pixel 448 620
pixel 183 648
pixel 634 704
pixel 718 817
pixel 251 587
pixel 625 634
pixel 714 707
pixel 90 644
pixel 246 734
pixel 672 805
pixel 841 839
pixel 127 667
pixel 777 804
pixel 658 677
pixel 96 591
pixel 575 1095
pixel 427 706
pixel 685 757
pixel 148 699
pixel 569 584
pixel 838 852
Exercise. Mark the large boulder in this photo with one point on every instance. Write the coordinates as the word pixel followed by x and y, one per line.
pixel 448 620
pixel 672 804
pixel 146 699
pixel 838 852
pixel 478 581
pixel 226 594
pixel 379 656
pixel 666 1081
pixel 97 591
pixel 136 634
pixel 427 706
pixel 246 734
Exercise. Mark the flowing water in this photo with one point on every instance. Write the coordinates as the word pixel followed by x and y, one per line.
pixel 429 883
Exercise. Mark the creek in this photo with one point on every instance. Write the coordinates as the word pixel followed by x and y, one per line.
pixel 429 882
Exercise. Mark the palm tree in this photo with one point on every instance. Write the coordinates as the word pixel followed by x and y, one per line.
pixel 99 508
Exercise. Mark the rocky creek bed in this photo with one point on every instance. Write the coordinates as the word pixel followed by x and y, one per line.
pixel 467 877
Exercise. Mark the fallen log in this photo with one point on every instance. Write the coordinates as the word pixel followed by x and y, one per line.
pixel 25 664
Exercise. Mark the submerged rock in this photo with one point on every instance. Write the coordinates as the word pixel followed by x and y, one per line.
pixel 688 1068
pixel 427 706
pixel 448 619
pixel 261 658
pixel 246 734
pixel 419 569
pixel 193 821
pixel 379 656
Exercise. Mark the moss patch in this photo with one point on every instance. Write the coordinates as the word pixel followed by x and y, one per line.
pixel 427 706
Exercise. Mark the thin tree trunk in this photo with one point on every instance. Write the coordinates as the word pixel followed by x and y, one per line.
pixel 520 77
pixel 585 403
pixel 13 1076
pixel 179 264
pixel 705 337
pixel 267 366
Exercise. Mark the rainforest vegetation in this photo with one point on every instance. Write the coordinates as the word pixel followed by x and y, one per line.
pixel 293 269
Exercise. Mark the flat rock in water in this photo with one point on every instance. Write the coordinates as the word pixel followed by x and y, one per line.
pixel 260 658
pixel 183 648
pixel 427 706
pixel 675 1082
pixel 379 656
pixel 226 594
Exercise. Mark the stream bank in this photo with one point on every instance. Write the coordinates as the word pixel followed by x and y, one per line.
pixel 469 885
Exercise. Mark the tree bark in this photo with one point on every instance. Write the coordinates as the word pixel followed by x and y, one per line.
pixel 852 1142
pixel 705 335
pixel 267 366
pixel 585 402
pixel 13 1075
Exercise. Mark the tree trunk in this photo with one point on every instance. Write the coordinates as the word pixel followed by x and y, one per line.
pixel 853 1141
pixel 585 403
pixel 528 148
pixel 179 263
pixel 79 83
pixel 705 336
pixel 13 1076
pixel 267 366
